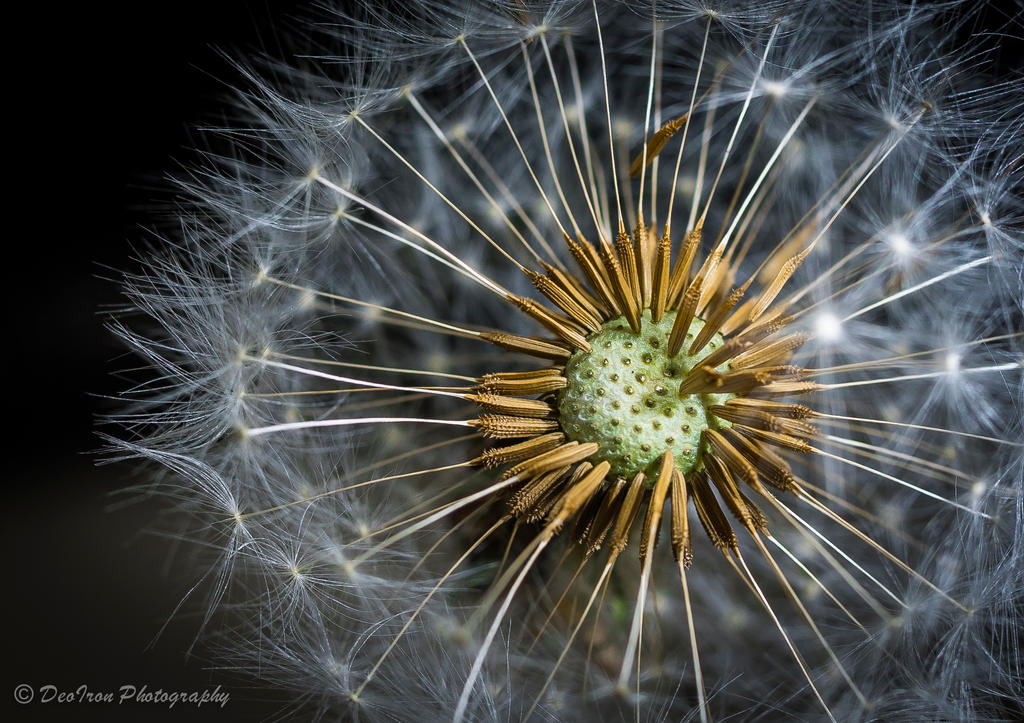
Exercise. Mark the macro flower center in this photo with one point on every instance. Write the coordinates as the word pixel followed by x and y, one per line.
pixel 623 394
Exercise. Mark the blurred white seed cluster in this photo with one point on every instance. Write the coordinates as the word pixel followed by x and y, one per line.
pixel 340 234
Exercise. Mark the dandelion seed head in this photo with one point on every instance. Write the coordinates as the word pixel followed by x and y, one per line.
pixel 383 317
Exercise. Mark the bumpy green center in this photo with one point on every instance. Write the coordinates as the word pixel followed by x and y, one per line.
pixel 624 395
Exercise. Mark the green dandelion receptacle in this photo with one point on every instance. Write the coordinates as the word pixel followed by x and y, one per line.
pixel 623 394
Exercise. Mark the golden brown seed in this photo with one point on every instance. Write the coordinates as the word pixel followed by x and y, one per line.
pixel 628 260
pixel 496 456
pixel 655 145
pixel 569 453
pixel 731 458
pixel 624 298
pixel 500 426
pixel 682 550
pixel 586 258
pixel 520 387
pixel 594 533
pixel 560 325
pixel 524 501
pixel 711 516
pixel 681 271
pixel 627 513
pixel 568 300
pixel 578 494
pixel 526 345
pixel 513 405
pixel 656 503
pixel 729 492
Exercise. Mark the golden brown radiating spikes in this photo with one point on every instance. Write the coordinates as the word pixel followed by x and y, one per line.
pixel 760 419
pixel 576 288
pixel 600 522
pixel 769 324
pixel 621 288
pixel 756 515
pixel 551 381
pixel 796 428
pixel 681 271
pixel 716 281
pixel 775 285
pixel 738 319
pixel 706 380
pixel 736 347
pixel 578 494
pixel 682 550
pixel 657 501
pixel 766 327
pixel 660 277
pixel 568 453
pixel 629 263
pixel 724 353
pixel 778 409
pixel 515 406
pixel 777 438
pixel 526 345
pixel 594 272
pixel 528 374
pixel 711 517
pixel 786 388
pixel 790 246
pixel 500 426
pixel 729 492
pixel 627 513
pixel 684 316
pixel 706 273
pixel 497 456
pixel 701 379
pixel 547 501
pixel 655 145
pixel 568 301
pixel 749 417
pixel 715 319
pixel 585 518
pixel 523 503
pixel 568 476
pixel 780 372
pixel 644 249
pixel 560 325
pixel 775 352
pixel 729 456
pixel 591 252
pixel 771 469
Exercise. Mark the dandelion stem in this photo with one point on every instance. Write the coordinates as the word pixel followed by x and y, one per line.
pixel 476 275
pixel 451 328
pixel 515 138
pixel 902 483
pixel 917 287
pixel 317 423
pixel 930 375
pixel 440 135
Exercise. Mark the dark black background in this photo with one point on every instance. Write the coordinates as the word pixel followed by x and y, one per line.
pixel 99 101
